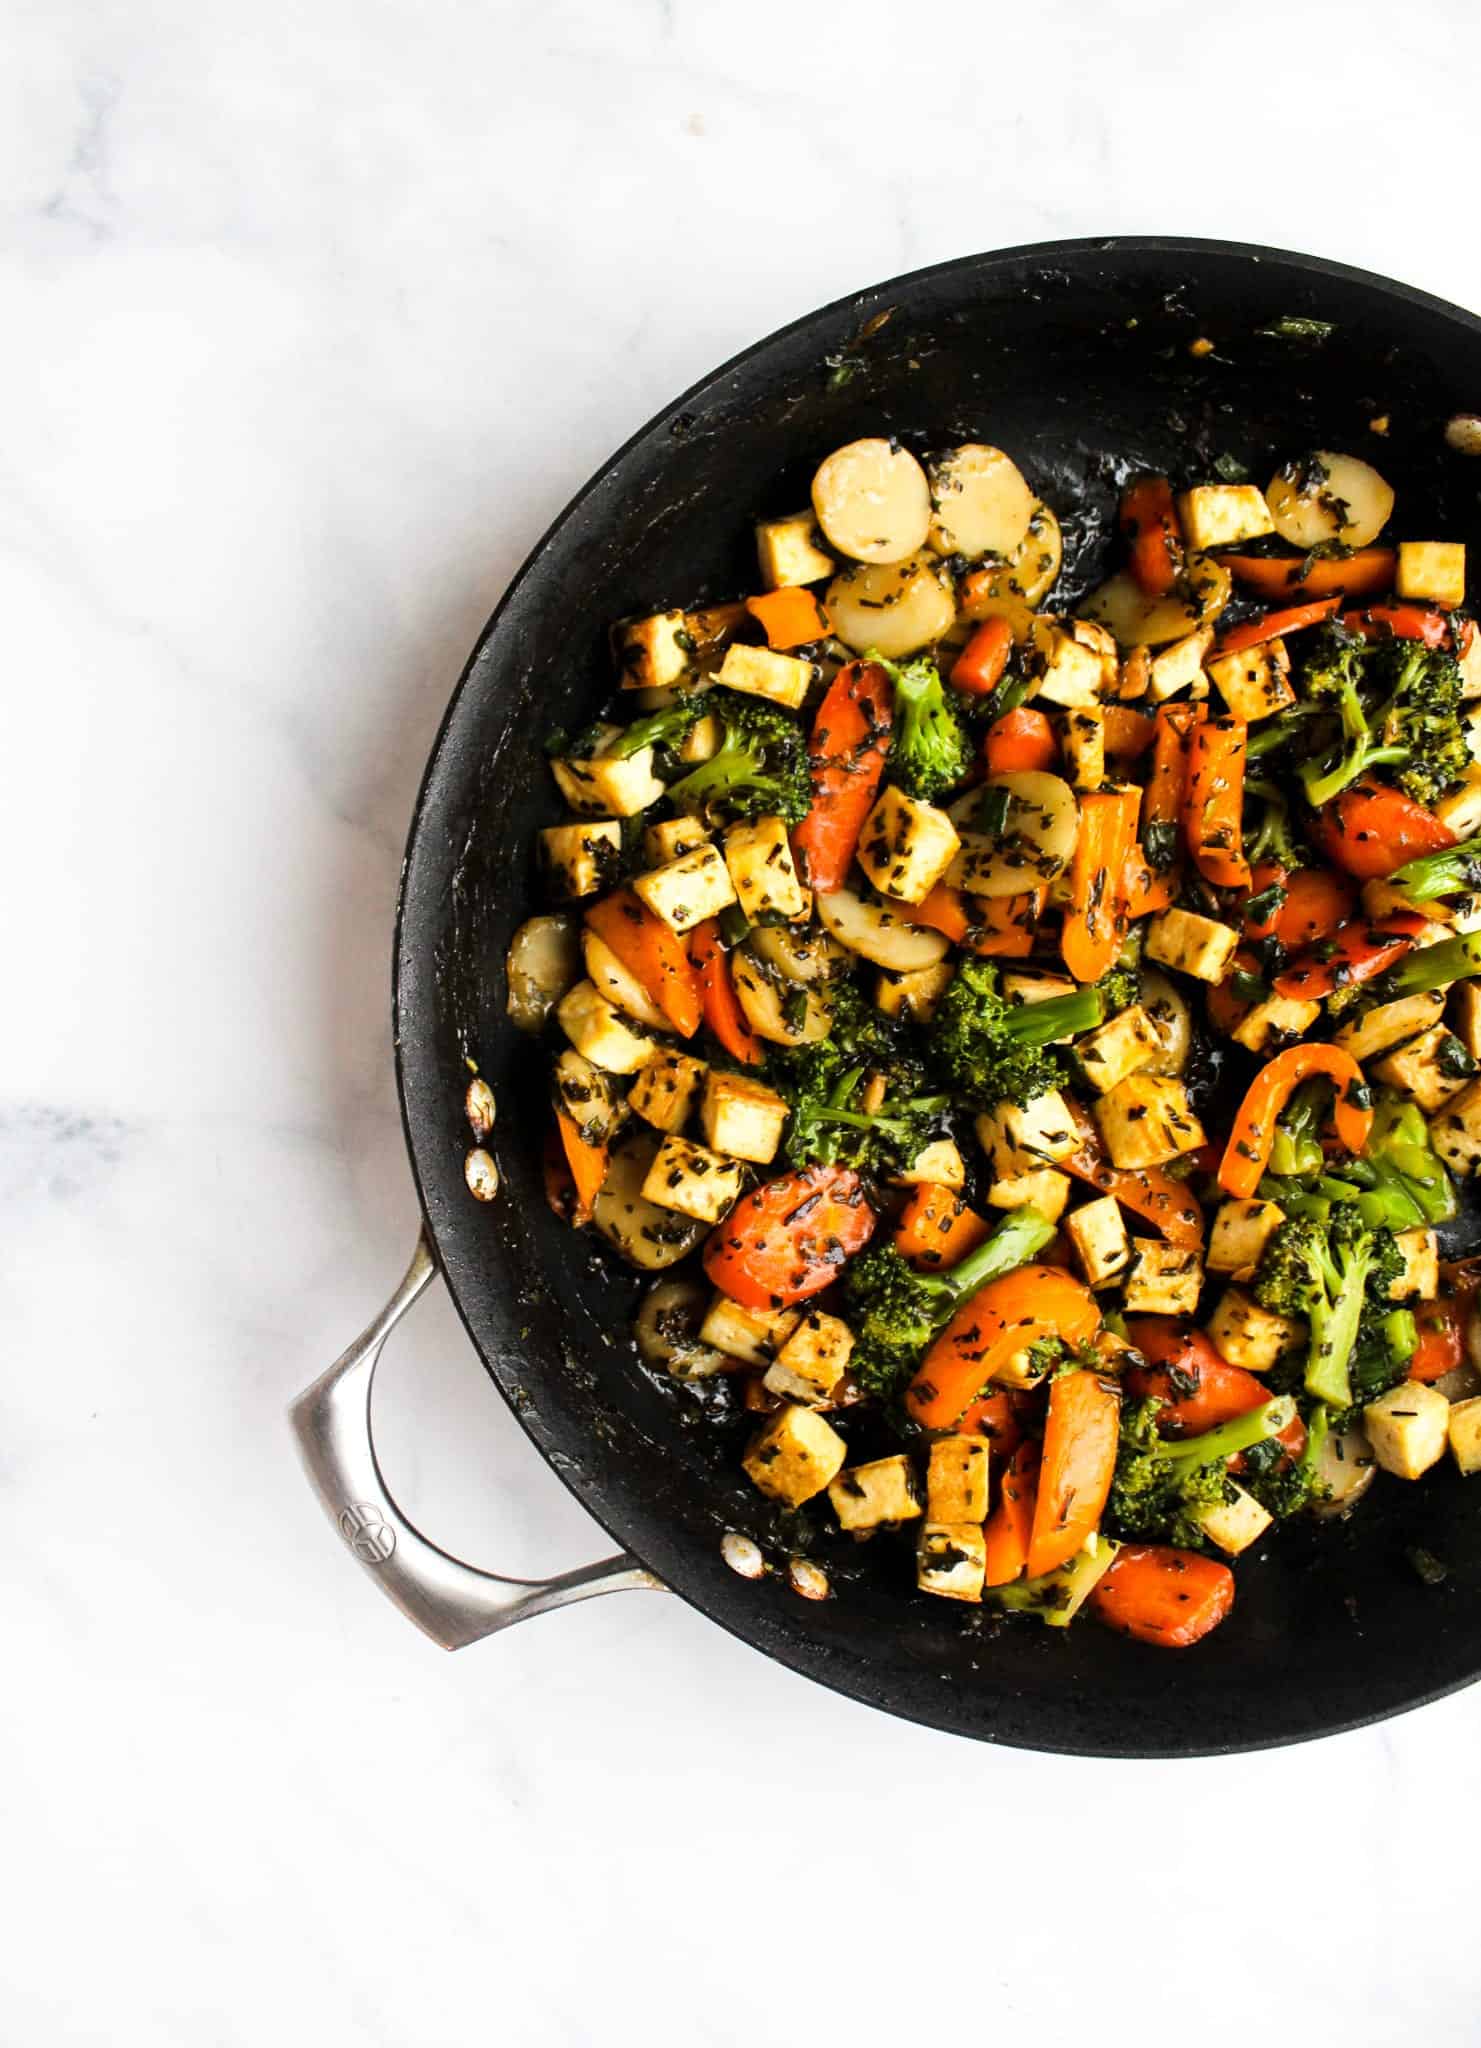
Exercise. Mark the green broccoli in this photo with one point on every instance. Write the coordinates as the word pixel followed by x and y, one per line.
pixel 1284 1485
pixel 1396 704
pixel 760 770
pixel 827 1129
pixel 1441 874
pixel 929 748
pixel 669 727
pixel 988 1050
pixel 895 1311
pixel 1398 1182
pixel 1437 966
pixel 1330 1275
pixel 1162 1483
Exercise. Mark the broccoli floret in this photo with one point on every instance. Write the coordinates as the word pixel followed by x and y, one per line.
pixel 1284 1485
pixel 929 748
pixel 827 1129
pixel 1441 874
pixel 1161 1483
pixel 669 727
pixel 988 1050
pixel 1271 839
pixel 1118 990
pixel 896 1311
pixel 1396 704
pixel 760 770
pixel 1326 1274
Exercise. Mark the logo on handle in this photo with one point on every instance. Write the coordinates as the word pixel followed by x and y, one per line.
pixel 367 1532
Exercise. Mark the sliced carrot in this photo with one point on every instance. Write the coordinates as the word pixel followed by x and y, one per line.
pixel 936 1228
pixel 1253 1134
pixel 1213 807
pixel 788 1238
pixel 979 667
pixel 1352 955
pixel 1129 732
pixel 1362 574
pixel 719 1003
pixel 1095 922
pixel 1019 739
pixel 1167 781
pixel 1317 902
pixel 1149 522
pixel 1441 1340
pixel 1199 1388
pixel 588 1164
pixel 1227 1009
pixel 1000 927
pixel 1081 1433
pixel 1255 632
pixel 1369 830
pixel 790 617
pixel 1161 1595
pixel 1008 1528
pixel 1143 890
pixel 1004 1317
pixel 560 1187
pixel 846 757
pixel 654 954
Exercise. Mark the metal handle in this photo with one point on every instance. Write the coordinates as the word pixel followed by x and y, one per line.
pixel 452 1602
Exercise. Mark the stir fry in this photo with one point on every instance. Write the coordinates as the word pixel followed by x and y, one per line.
pixel 1036 1044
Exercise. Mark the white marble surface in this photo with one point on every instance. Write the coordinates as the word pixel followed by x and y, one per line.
pixel 311 317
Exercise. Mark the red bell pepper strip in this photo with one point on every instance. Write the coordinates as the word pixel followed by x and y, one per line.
pixel 1350 957
pixel 1255 632
pixel 1160 1595
pixel 1250 1140
pixel 719 1003
pixel 1403 622
pixel 846 757
pixel 1095 922
pixel 978 669
pixel 1441 1339
pixel 1149 522
pixel 789 1238
pixel 1362 574
pixel 1369 830
pixel 1008 1528
pixel 1214 806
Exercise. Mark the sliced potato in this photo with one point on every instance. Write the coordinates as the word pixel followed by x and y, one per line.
pixel 647 1236
pixel 892 610
pixel 761 995
pixel 1141 621
pixel 981 504
pixel 1328 497
pixel 873 501
pixel 588 1096
pixel 1035 845
pixel 1026 574
pixel 1345 1464
pixel 618 983
pixel 875 932
pixel 667 1330
pixel 1170 1018
pixel 804 954
pixel 544 960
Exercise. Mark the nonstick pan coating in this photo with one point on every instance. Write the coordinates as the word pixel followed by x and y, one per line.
pixel 1074 356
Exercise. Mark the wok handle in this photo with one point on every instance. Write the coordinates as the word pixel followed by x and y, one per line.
pixel 452 1602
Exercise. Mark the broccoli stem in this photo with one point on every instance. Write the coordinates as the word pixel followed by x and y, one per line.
pixel 660 728
pixel 1334 1332
pixel 1318 1426
pixel 1441 874
pixel 1015 1241
pixel 1213 1446
pixel 1057 1017
pixel 1437 966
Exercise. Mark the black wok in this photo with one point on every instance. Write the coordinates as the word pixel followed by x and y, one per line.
pixel 1075 356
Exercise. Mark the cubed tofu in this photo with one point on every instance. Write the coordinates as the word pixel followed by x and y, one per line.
pixel 940 1164
pixel 812 1360
pixel 604 786
pixel 1420 1279
pixel 597 1028
pixel 789 551
pixel 877 1495
pixel 1424 1069
pixel 951 1560
pixel 1073 674
pixel 1146 1120
pixel 1192 944
pixel 1180 666
pixel 1044 1189
pixel 1277 1018
pixel 1470 669
pixel 1245 1334
pixel 1464 1427
pixel 1020 1139
pixel 753 1335
pixel 1222 515
pixel 1408 1427
pixel 581 860
pixel 684 892
pixel 1082 740
pixel 1162 1279
pixel 795 1455
pixel 1455 1132
pixel 914 994
pixel 762 873
pixel 784 679
pixel 693 1180
pixel 1098 1233
pixel 1432 572
pixel 655 652
pixel 1460 811
pixel 664 1091
pixel 906 846
pixel 742 1117
pixel 671 839
pixel 1465 1001
pixel 1254 683
pixel 1233 1524
pixel 1119 1047
pixel 702 741
pixel 956 1479
pixel 1389 1024
pixel 1241 1232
